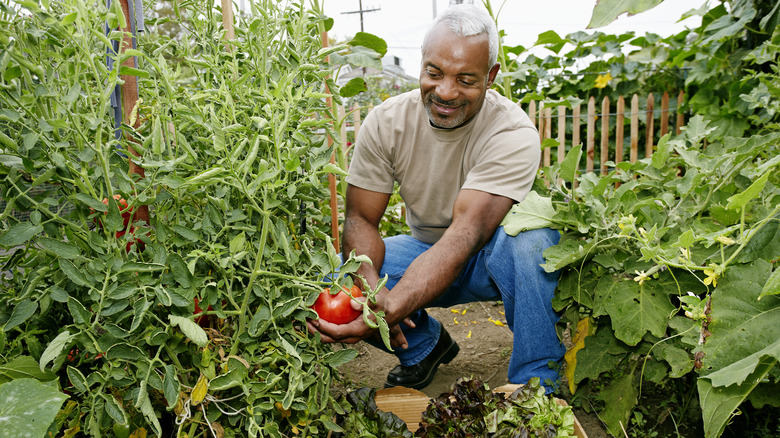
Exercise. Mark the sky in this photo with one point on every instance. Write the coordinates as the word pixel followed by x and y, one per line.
pixel 402 23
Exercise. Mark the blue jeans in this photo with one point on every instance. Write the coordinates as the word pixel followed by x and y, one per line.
pixel 506 269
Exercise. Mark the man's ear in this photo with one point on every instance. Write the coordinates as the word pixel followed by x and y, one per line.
pixel 492 74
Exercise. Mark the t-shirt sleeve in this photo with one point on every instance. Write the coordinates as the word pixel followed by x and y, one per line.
pixel 507 164
pixel 371 167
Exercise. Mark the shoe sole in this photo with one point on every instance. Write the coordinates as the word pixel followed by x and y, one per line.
pixel 446 358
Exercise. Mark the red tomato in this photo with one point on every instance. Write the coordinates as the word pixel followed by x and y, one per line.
pixel 337 308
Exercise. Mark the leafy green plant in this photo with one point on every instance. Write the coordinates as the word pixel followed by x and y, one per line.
pixel 670 259
pixel 229 135
pixel 472 409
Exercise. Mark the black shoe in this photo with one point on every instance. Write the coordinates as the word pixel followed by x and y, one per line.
pixel 420 375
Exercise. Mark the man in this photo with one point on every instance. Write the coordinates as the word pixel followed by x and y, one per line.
pixel 462 156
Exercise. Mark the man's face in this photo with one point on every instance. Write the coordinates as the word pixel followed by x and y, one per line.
pixel 454 76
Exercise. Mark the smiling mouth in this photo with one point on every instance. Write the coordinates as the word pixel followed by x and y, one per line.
pixel 443 109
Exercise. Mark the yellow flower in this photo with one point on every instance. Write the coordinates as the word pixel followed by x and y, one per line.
pixel 603 80
pixel 712 277
pixel 641 277
pixel 469 335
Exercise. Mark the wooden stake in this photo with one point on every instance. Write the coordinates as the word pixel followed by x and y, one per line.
pixel 334 204
pixel 129 93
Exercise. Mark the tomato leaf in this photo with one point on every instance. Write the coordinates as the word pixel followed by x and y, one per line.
pixel 21 367
pixel 20 233
pixel 190 329
pixel 55 347
pixel 77 379
pixel 61 249
pixel 22 312
pixel 338 358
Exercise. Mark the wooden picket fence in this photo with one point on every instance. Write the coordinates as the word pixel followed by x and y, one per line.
pixel 568 124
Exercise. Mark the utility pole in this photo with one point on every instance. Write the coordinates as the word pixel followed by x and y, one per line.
pixel 361 11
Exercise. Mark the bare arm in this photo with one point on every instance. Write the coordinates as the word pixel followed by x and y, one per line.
pixel 476 215
pixel 363 212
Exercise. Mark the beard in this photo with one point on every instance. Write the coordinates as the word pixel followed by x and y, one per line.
pixel 447 121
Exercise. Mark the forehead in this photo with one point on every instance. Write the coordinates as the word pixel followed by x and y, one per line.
pixel 443 48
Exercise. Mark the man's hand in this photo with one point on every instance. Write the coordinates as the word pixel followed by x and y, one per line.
pixel 357 330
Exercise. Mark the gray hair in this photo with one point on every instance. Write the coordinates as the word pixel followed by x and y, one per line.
pixel 469 20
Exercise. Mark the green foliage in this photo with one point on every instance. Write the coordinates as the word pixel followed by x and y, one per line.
pixel 669 257
pixel 230 136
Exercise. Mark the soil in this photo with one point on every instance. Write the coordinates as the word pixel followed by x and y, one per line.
pixel 485 346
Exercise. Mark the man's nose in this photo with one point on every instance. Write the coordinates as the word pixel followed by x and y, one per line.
pixel 447 90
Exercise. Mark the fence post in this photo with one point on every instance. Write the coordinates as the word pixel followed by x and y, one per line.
pixel 547 133
pixel 680 115
pixel 591 135
pixel 561 133
pixel 650 126
pixel 664 113
pixel 619 121
pixel 634 128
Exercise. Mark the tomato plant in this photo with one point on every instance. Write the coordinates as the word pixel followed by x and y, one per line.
pixel 236 163
pixel 337 307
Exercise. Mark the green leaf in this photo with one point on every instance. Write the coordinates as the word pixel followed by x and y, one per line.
pixel 22 312
pixel 370 41
pixel 130 71
pixel 28 407
pixel 532 213
pixel 24 366
pixel 680 362
pixel 340 357
pixel 739 200
pixel 171 385
pixel 141 267
pixel 186 233
pixel 191 330
pixel 571 163
pixel 567 252
pixel 78 312
pixel 718 404
pixel 77 379
pixel 353 87
pixel 74 274
pixel 180 270
pixel 607 11
pixel 61 249
pixel 772 286
pixel 634 308
pixel 92 202
pixel 620 398
pixel 20 233
pixel 741 325
pixel 662 154
pixel 125 351
pixel 739 371
pixel 55 347
pixel 602 353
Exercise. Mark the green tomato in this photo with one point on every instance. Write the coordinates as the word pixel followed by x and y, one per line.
pixel 121 430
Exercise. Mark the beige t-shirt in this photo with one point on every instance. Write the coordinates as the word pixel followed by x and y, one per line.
pixel 497 152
